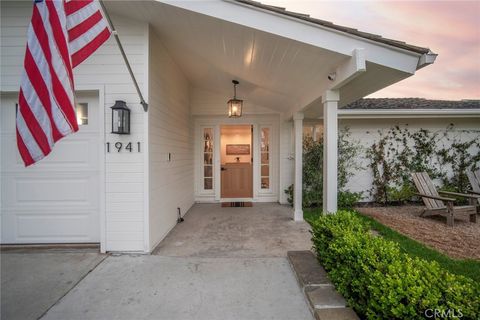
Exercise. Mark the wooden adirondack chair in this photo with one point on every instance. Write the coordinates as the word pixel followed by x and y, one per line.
pixel 435 204
pixel 474 179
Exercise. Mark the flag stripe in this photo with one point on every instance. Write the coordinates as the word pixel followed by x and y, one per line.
pixel 81 15
pixel 84 26
pixel 82 54
pixel 34 150
pixel 33 125
pixel 41 73
pixel 81 42
pixel 61 90
pixel 73 6
pixel 41 114
pixel 61 35
pixel 40 90
pixel 24 153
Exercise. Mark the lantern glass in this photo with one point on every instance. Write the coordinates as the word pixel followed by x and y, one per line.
pixel 235 108
pixel 120 118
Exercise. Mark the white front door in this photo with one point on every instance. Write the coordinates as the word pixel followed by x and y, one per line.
pixel 58 199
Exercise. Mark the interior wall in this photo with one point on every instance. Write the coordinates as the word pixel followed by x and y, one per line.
pixel 237 134
pixel 170 132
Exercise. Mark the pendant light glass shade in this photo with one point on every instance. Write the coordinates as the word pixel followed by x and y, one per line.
pixel 235 105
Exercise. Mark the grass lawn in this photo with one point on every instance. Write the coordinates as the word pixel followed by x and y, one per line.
pixel 468 268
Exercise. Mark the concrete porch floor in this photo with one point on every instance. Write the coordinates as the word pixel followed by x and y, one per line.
pixel 221 263
pixel 264 230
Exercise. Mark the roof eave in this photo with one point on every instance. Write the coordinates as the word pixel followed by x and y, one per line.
pixel 407 113
pixel 426 59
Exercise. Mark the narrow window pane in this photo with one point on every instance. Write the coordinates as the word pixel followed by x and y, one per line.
pixel 207 145
pixel 208 184
pixel 265 171
pixel 207 172
pixel 265 158
pixel 265 183
pixel 207 158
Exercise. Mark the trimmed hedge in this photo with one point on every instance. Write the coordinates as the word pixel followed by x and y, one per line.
pixel 381 282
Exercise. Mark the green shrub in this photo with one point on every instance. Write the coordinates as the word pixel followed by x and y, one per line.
pixel 347 199
pixel 349 152
pixel 381 282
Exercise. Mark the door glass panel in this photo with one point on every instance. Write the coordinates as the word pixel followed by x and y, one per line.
pixel 265 158
pixel 207 145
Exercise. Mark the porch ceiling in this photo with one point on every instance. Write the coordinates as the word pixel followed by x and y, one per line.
pixel 275 72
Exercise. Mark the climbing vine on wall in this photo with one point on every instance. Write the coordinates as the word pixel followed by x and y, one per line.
pixel 398 152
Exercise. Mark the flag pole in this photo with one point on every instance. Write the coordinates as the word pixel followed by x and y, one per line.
pixel 115 34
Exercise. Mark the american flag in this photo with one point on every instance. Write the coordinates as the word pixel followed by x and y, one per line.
pixel 61 35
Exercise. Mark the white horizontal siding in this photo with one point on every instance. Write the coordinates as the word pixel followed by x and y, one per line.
pixel 169 131
pixel 124 187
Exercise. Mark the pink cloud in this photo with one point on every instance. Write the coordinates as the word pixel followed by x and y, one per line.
pixel 449 28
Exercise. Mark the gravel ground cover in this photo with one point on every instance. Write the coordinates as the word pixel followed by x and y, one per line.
pixel 462 241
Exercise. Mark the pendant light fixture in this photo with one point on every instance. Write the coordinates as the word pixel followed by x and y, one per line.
pixel 235 105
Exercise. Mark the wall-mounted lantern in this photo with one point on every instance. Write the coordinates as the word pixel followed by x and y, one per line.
pixel 235 105
pixel 120 118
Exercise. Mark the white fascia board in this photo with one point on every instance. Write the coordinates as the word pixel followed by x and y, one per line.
pixel 426 59
pixel 348 71
pixel 302 31
pixel 408 113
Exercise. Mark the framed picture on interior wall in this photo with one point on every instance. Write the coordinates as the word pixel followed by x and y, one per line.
pixel 238 149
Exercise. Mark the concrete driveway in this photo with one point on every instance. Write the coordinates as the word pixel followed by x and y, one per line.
pixel 221 263
pixel 32 281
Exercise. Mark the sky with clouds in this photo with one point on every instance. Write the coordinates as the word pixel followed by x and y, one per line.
pixel 449 28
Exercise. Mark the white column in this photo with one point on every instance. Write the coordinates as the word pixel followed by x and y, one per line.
pixel 330 150
pixel 297 192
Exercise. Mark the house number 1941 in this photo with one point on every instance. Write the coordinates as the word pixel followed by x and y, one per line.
pixel 118 146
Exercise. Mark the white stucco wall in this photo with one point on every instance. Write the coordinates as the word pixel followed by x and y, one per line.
pixel 170 130
pixel 366 131
pixel 123 202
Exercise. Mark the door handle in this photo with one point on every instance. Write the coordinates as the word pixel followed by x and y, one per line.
pixel 223 169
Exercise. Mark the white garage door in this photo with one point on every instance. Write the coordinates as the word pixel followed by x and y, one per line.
pixel 57 199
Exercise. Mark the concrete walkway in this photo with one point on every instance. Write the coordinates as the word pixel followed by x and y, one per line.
pixel 155 287
pixel 221 263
